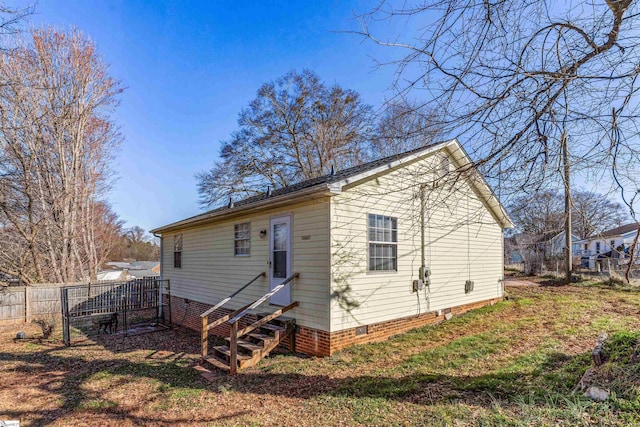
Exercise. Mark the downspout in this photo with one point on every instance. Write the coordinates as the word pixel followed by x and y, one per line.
pixel 422 230
pixel 159 236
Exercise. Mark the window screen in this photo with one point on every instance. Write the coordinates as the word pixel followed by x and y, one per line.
pixel 383 243
pixel 177 251
pixel 242 239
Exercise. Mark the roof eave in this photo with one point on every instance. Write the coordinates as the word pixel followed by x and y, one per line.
pixel 275 201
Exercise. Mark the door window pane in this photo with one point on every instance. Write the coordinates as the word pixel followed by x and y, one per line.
pixel 280 237
pixel 280 264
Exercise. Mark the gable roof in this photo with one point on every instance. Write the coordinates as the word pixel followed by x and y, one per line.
pixel 333 183
pixel 618 231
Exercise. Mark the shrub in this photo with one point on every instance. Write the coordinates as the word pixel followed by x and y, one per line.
pixel 47 324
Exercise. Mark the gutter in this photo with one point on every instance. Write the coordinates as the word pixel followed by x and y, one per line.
pixel 307 193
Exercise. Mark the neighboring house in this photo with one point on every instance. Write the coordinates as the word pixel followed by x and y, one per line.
pixel 7 279
pixel 536 252
pixel 137 269
pixel 359 239
pixel 613 243
pixel 512 253
pixel 554 244
pixel 112 275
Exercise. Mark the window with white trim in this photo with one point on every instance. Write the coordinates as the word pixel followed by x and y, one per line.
pixel 383 243
pixel 177 251
pixel 242 239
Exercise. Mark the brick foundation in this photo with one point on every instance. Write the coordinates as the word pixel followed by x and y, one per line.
pixel 314 341
pixel 382 331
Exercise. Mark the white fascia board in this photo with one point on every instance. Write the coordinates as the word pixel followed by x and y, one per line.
pixel 275 201
pixel 480 184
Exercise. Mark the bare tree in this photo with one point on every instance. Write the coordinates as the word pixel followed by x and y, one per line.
pixel 539 89
pixel 543 213
pixel 56 142
pixel 595 213
pixel 403 126
pixel 295 129
pixel 11 19
pixel 538 215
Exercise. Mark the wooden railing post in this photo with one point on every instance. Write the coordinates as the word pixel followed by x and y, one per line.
pixel 205 336
pixel 233 359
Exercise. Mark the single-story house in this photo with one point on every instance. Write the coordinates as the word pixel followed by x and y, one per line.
pixel 113 275
pixel 380 248
pixel 537 252
pixel 136 269
pixel 612 243
pixel 555 243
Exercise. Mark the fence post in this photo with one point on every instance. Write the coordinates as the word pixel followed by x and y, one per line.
pixel 64 302
pixel 125 298
pixel 27 304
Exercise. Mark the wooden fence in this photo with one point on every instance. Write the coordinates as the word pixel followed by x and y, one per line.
pixel 19 304
pixel 24 303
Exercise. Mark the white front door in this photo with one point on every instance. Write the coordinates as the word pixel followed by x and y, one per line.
pixel 280 258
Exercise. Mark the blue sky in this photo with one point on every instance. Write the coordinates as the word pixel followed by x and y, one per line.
pixel 190 67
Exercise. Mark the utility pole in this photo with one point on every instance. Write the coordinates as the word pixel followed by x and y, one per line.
pixel 567 207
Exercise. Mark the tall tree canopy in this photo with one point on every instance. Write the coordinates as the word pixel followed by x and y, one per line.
pixel 296 128
pixel 543 213
pixel 57 138
pixel 403 126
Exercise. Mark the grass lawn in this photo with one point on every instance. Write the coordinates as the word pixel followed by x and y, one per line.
pixel 514 363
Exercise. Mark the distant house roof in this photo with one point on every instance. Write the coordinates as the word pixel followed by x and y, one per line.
pixel 118 264
pixel 8 278
pixel 110 275
pixel 135 265
pixel 134 269
pixel 333 183
pixel 144 273
pixel 618 231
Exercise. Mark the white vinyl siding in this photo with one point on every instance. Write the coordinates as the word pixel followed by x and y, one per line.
pixel 463 242
pixel 211 272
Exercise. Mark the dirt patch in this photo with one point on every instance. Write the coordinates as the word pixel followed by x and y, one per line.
pixel 477 368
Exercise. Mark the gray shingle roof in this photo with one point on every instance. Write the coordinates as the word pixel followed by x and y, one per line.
pixel 332 183
pixel 324 179
pixel 623 229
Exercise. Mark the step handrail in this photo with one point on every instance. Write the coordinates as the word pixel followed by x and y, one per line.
pixel 230 297
pixel 233 336
pixel 263 298
pixel 267 319
pixel 206 326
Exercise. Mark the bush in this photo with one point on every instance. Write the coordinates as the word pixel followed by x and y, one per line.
pixel 47 324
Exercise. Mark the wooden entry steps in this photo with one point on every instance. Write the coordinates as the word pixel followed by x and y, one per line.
pixel 254 346
pixel 247 346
